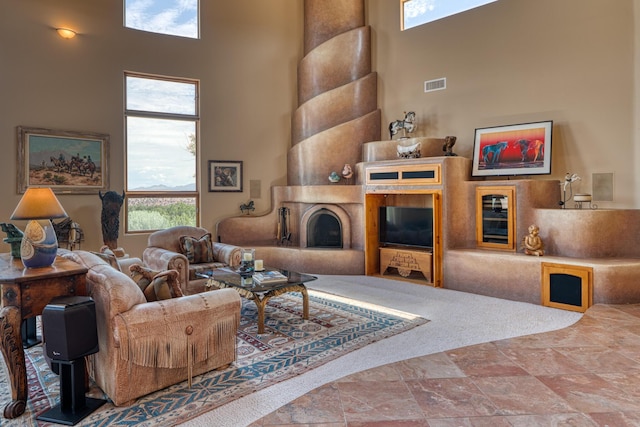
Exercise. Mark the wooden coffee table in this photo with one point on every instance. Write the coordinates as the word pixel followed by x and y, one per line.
pixel 260 293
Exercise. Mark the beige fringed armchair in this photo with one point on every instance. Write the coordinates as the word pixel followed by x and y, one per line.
pixel 189 250
pixel 147 346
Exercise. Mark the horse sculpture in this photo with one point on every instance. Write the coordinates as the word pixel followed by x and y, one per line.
pixel 110 217
pixel 408 124
pixel 491 153
pixel 249 207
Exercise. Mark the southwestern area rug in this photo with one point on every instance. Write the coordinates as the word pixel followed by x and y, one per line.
pixel 289 347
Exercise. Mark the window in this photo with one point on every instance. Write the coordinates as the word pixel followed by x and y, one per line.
pixel 161 121
pixel 418 12
pixel 172 17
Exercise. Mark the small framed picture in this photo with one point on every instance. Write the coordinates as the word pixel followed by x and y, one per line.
pixel 522 149
pixel 67 161
pixel 225 175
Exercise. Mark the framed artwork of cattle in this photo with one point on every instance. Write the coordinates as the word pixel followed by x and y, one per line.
pixel 66 161
pixel 522 149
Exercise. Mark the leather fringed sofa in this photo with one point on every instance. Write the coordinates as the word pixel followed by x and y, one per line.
pixel 147 346
pixel 189 250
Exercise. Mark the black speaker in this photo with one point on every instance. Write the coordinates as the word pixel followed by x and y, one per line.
pixel 69 328
pixel 70 333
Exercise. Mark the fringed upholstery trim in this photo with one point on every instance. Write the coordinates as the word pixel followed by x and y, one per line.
pixel 178 349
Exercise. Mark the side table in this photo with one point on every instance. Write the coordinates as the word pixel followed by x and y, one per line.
pixel 25 293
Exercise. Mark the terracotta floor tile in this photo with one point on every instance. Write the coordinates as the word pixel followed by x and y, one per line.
pixel 450 397
pixel 495 421
pixel 382 373
pixel 582 376
pixel 543 361
pixel 616 419
pixel 321 405
pixel 390 423
pixel 599 359
pixel 437 365
pixel 628 381
pixel 590 393
pixel 631 352
pixel 521 395
pixel 560 420
pixel 378 401
pixel 484 360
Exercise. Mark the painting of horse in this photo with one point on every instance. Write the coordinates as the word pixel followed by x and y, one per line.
pixel 520 149
pixel 491 153
pixel 536 146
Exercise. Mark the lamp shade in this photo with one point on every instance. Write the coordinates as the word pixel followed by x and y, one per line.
pixel 39 203
pixel 39 244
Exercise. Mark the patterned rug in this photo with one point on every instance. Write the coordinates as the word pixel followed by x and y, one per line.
pixel 289 347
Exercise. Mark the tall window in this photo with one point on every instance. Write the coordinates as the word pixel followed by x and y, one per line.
pixel 162 119
pixel 172 17
pixel 418 12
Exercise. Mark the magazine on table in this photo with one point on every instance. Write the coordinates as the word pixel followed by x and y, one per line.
pixel 270 276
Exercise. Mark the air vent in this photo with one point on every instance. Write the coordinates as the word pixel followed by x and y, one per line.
pixel 437 84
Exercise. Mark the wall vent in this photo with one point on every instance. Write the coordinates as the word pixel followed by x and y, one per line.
pixel 437 84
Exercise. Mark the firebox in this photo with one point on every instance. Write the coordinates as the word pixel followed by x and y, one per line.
pixel 324 230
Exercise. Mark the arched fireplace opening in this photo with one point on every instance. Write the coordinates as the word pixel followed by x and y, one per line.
pixel 324 230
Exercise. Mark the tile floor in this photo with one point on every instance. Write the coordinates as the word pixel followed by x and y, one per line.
pixel 584 375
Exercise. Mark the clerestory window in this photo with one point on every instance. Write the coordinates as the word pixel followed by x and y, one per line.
pixel 418 12
pixel 172 17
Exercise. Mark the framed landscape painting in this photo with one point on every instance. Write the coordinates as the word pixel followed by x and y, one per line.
pixel 225 175
pixel 522 149
pixel 66 161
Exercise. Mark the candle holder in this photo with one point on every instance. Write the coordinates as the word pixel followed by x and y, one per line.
pixel 247 262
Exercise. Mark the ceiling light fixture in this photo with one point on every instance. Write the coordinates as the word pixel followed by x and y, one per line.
pixel 66 33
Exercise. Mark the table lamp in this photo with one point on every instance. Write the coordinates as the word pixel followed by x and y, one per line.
pixel 39 244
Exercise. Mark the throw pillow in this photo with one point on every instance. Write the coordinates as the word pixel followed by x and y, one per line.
pixel 197 250
pixel 109 257
pixel 156 285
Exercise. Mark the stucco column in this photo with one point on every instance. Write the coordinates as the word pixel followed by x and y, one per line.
pixel 337 92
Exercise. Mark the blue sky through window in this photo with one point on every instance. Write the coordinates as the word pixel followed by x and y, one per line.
pixel 157 147
pixel 172 17
pixel 418 12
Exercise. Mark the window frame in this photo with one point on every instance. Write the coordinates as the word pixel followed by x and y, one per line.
pixel 196 194
pixel 402 20
pixel 198 24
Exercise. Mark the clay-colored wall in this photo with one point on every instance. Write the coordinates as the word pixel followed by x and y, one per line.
pixel 509 62
pixel 246 62
pixel 515 61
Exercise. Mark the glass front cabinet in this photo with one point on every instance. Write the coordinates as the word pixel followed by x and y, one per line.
pixel 495 217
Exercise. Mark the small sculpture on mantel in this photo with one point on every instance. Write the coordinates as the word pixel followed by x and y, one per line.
pixel 334 177
pixel 408 125
pixel 532 243
pixel 347 173
pixel 408 149
pixel 449 142
pixel 247 207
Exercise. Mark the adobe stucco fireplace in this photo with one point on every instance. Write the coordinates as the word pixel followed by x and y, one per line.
pixel 325 226
pixel 326 229
pixel 337 114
